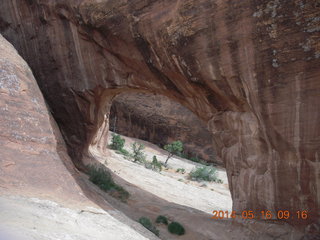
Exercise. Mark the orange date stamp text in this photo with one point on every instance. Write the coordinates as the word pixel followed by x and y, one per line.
pixel 247 214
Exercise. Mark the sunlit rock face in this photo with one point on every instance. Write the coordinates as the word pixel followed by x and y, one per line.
pixel 250 69
pixel 159 120
pixel 34 159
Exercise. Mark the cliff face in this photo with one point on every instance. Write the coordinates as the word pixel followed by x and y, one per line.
pixel 33 153
pixel 156 119
pixel 250 69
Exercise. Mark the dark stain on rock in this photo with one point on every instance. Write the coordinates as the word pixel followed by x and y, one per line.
pixel 144 49
pixel 3 25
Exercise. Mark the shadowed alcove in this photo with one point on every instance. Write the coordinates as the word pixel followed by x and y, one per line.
pixel 159 120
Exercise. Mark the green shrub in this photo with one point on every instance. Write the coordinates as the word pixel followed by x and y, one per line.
pixel 123 152
pixel 194 159
pixel 103 179
pixel 117 143
pixel 156 165
pixel 205 173
pixel 176 228
pixel 162 219
pixel 138 155
pixel 148 225
pixel 182 170
pixel 198 160
pixel 174 148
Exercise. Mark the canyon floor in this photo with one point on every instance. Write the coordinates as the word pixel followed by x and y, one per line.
pixel 168 184
pixel 151 194
pixel 174 195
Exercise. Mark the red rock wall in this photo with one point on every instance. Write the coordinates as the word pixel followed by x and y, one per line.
pixel 248 68
pixel 159 120
pixel 33 158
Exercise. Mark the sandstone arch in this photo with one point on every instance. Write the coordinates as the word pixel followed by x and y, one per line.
pixel 249 69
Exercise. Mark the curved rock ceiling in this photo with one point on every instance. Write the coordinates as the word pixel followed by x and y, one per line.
pixel 250 69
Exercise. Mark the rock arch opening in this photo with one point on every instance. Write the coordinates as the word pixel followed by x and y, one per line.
pixel 155 118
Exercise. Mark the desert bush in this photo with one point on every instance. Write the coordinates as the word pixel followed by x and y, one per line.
pixel 174 148
pixel 205 173
pixel 176 228
pixel 117 143
pixel 123 152
pixel 156 165
pixel 162 219
pixel 144 221
pixel 137 154
pixel 203 162
pixel 198 160
pixel 182 170
pixel 194 159
pixel 103 179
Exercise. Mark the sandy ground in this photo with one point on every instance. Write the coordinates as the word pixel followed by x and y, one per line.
pixel 170 185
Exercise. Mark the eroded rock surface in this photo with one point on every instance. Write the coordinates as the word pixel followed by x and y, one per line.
pixel 248 68
pixel 33 154
pixel 156 119
pixel 34 164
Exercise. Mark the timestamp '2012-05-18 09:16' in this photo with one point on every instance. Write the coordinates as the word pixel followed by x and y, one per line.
pixel 248 214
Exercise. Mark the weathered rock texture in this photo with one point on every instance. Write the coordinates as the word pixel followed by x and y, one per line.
pixel 248 68
pixel 159 120
pixel 33 154
pixel 34 163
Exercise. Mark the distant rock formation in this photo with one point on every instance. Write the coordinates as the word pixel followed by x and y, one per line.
pixel 159 120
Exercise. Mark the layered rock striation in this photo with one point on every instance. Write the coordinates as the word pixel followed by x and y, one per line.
pixel 250 69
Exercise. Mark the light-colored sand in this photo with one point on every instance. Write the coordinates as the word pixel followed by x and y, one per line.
pixel 169 185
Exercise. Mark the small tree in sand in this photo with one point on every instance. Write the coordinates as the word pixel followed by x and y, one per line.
pixel 117 143
pixel 138 155
pixel 173 148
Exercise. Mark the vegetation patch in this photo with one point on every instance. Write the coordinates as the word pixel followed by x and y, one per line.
pixel 181 170
pixel 176 228
pixel 117 143
pixel 205 173
pixel 144 221
pixel 174 148
pixel 138 155
pixel 194 159
pixel 162 219
pixel 103 179
pixel 123 152
pixel 156 165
